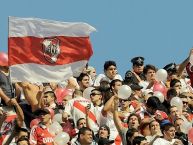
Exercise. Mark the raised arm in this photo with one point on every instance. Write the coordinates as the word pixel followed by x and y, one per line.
pixel 184 63
pixel 116 118
pixel 19 111
pixel 107 107
pixel 31 93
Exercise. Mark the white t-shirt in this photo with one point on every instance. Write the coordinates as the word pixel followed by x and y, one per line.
pixel 100 76
pixel 162 141
pixel 76 109
pixel 108 120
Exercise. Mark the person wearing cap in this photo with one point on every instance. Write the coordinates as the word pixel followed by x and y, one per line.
pixel 136 75
pixel 110 73
pixel 40 133
pixel 37 96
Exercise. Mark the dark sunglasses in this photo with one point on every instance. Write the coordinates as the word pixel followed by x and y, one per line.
pixel 190 97
pixel 184 102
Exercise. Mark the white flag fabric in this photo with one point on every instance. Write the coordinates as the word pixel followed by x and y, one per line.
pixel 47 51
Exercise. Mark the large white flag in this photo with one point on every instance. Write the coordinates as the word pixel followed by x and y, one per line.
pixel 47 51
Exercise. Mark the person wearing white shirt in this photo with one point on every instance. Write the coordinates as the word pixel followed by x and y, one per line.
pixel 168 136
pixel 110 73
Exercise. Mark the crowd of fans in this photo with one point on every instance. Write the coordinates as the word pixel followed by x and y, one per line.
pixel 66 113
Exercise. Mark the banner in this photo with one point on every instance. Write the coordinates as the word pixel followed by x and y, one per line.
pixel 47 51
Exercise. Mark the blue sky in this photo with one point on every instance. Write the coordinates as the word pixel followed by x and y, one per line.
pixel 161 31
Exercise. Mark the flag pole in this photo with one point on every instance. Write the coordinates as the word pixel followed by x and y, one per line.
pixel 10 81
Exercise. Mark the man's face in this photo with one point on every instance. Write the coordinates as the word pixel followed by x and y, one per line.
pixel 48 98
pixel 95 96
pixel 154 127
pixel 86 138
pixel 190 99
pixel 185 103
pixel 133 122
pixel 111 72
pixel 93 73
pixel 45 118
pixel 117 86
pixel 138 68
pixel 124 103
pixel 65 99
pixel 174 113
pixel 82 123
pixel 22 133
pixel 150 75
pixel 85 82
pixel 177 124
pixel 103 132
pixel 178 87
pixel 170 134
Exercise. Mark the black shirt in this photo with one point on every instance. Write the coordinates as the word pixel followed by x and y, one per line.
pixel 6 86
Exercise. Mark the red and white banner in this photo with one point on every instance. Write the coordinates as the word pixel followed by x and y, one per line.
pixel 47 51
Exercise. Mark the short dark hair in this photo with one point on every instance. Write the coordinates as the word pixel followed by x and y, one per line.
pixel 23 130
pixel 148 67
pixel 133 114
pixel 130 132
pixel 109 63
pixel 171 93
pixel 78 121
pixel 83 130
pixel 81 76
pixel 113 82
pixel 173 82
pixel 138 139
pixel 167 126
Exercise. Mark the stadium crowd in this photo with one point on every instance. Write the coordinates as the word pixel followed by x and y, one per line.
pixel 87 110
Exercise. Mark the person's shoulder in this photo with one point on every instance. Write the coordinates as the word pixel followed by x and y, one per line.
pixel 118 76
pixel 160 141
pixel 101 75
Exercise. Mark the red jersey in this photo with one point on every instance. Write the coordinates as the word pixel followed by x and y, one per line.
pixel 41 136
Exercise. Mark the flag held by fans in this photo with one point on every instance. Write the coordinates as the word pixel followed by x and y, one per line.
pixel 47 51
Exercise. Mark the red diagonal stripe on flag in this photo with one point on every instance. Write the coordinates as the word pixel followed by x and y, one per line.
pixel 82 109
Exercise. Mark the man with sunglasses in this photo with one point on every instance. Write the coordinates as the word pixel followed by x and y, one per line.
pixel 96 98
